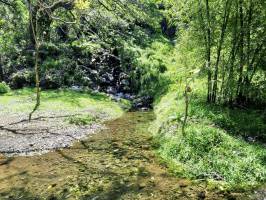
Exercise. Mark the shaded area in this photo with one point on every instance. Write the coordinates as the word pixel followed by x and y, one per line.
pixel 235 121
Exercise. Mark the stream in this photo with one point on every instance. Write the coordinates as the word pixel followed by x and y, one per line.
pixel 119 162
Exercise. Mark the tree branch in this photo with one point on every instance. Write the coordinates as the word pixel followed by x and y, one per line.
pixel 7 3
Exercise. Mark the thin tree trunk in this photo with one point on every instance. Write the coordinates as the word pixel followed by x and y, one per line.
pixel 1 70
pixel 230 80
pixel 241 54
pixel 253 67
pixel 208 53
pixel 224 69
pixel 207 48
pixel 220 44
pixel 37 83
pixel 34 28
pixel 187 90
pixel 249 64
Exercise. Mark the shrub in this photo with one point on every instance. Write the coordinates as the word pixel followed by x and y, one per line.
pixel 82 120
pixel 4 88
pixel 22 78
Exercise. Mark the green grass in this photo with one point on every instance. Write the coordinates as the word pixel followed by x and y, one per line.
pixel 60 100
pixel 214 145
pixel 82 120
pixel 215 142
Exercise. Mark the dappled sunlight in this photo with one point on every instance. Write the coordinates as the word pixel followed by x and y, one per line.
pixel 116 163
pixel 132 100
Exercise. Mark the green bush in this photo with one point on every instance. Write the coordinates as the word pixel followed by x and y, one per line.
pixel 4 88
pixel 82 120
pixel 22 78
pixel 149 75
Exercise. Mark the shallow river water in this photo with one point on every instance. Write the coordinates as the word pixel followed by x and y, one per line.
pixel 116 163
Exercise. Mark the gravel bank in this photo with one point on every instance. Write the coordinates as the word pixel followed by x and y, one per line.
pixel 47 131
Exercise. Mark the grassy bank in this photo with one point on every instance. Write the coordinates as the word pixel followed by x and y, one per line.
pixel 219 144
pixel 60 100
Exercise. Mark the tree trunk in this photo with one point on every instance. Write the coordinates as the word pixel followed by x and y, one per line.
pixel 187 90
pixel 1 70
pixel 220 44
pixel 249 64
pixel 241 54
pixel 37 82
pixel 34 28
pixel 40 21
pixel 229 92
pixel 208 53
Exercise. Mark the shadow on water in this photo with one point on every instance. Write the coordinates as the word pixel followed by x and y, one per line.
pixel 6 161
pixel 18 194
pixel 115 188
pixel 95 160
pixel 117 163
pixel 110 149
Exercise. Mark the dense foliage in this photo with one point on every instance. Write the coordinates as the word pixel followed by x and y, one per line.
pixel 230 41
pixel 79 43
pixel 213 51
pixel 107 38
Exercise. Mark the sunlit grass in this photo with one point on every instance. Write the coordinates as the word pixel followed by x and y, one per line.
pixel 59 100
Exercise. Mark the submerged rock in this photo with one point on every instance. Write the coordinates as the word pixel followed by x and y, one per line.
pixel 76 88
pixel 143 103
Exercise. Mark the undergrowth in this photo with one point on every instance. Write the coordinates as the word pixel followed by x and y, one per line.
pixel 4 88
pixel 82 120
pixel 220 143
